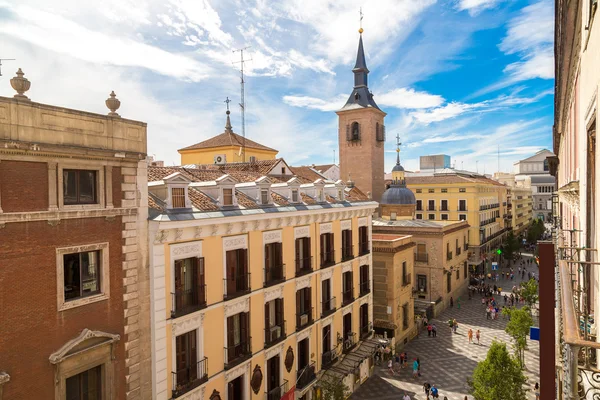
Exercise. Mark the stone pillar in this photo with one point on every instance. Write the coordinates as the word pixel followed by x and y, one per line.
pixel 108 186
pixel 52 187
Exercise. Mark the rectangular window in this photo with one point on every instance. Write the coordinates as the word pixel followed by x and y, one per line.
pixel 303 307
pixel 444 217
pixel 419 190
pixel 294 196
pixel 190 290
pixel 462 190
pixel 419 216
pixel 178 197
pixel 462 205
pixel 431 205
pixel 238 334
pixel 227 197
pixel 79 187
pixel 419 205
pixel 422 283
pixel 327 250
pixel 457 274
pixel 264 197
pixel 431 216
pixel 462 217
pixel 347 248
pixel 431 190
pixel 186 355
pixel 444 205
pixel 274 269
pixel 82 274
pixel 86 385
pixel 465 270
pixel 444 190
pixel 363 240
pixel 237 281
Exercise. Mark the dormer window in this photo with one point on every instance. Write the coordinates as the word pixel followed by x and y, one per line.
pixel 178 197
pixel 321 197
pixel 227 197
pixel 264 197
pixel 294 196
pixel 341 194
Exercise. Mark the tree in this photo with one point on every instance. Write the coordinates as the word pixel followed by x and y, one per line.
pixel 511 246
pixel 333 388
pixel 518 327
pixel 535 231
pixel 529 291
pixel 499 376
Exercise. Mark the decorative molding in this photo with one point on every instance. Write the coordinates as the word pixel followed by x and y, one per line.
pixel 279 222
pixel 244 228
pixel 187 323
pixel 229 228
pixel 325 228
pixel 363 221
pixel 178 234
pixel 160 236
pixel 346 224
pixel 347 267
pixel 272 236
pixel 2 225
pixel 289 359
pixel 237 371
pixel 196 394
pixel 61 354
pixel 256 379
pixel 303 282
pixel 364 300
pixel 53 222
pixel 198 232
pixel 274 293
pixel 364 260
pixel 5 378
pixel 242 305
pixel 185 250
pixel 326 274
pixel 347 309
pixel 256 225
pixel 300 336
pixel 235 242
pixel 273 351
pixel 327 321
pixel 268 223
pixel 301 231
pixel 215 229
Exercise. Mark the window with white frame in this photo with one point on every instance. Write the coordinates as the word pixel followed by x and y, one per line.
pixel 227 197
pixel 264 197
pixel 294 195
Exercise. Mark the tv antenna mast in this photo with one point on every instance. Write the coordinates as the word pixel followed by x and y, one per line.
pixel 242 96
pixel 5 59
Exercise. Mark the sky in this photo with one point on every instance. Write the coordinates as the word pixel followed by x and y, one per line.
pixel 472 79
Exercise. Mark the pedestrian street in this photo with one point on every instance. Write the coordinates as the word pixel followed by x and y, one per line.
pixel 448 359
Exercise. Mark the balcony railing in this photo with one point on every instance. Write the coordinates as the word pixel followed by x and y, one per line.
pixel 189 378
pixel 347 296
pixel 363 248
pixel 327 307
pixel 462 209
pixel 458 251
pixel 274 334
pixel 365 331
pixel 274 275
pixel 466 247
pixel 303 266
pixel 237 286
pixel 327 258
pixel 304 319
pixel 419 207
pixel 422 257
pixel 349 342
pixel 278 392
pixel 449 255
pixel 406 280
pixel 442 208
pixel 237 353
pixel 306 376
pixel 347 253
pixel 187 301
pixel 430 208
pixel 364 287
pixel 329 358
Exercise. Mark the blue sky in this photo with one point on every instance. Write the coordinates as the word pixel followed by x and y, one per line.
pixel 459 77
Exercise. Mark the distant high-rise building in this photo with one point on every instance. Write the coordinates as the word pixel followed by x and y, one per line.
pixel 542 183
pixel 438 161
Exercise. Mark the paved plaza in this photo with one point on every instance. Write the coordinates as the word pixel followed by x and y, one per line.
pixel 449 359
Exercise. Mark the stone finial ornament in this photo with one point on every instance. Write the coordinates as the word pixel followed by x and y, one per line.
pixel 113 104
pixel 21 85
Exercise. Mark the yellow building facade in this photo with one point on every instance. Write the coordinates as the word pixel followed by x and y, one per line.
pixel 258 287
pixel 480 201
pixel 228 147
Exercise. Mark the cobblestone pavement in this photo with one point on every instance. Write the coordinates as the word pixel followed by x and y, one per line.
pixel 449 359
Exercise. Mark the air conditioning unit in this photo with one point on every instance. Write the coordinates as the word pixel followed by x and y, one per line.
pixel 275 332
pixel 220 159
pixel 304 319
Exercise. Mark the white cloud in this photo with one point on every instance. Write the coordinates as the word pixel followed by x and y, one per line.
pixel 475 6
pixel 538 63
pixel 315 103
pixel 61 35
pixel 409 99
pixel 450 110
pixel 451 138
pixel 513 99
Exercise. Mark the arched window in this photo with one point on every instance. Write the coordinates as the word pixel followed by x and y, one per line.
pixel 355 130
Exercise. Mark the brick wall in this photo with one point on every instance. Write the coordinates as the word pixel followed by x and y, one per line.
pixel 117 179
pixel 23 186
pixel 30 321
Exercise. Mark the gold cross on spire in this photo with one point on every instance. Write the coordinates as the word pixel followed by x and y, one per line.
pixel 361 18
pixel 398 143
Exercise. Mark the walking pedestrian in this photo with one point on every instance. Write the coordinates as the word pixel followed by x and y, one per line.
pixel 406 396
pixel 415 368
pixel 429 328
pixel 536 390
pixel 478 335
pixel 470 335
pixel 391 367
pixel 451 302
pixel 418 366
pixel 426 388
pixel 434 330
pixel 434 392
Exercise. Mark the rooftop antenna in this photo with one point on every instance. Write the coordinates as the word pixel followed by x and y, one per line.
pixel 243 101
pixel 5 59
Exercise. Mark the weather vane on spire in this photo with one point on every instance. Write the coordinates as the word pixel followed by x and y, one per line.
pixel 398 143
pixel 361 18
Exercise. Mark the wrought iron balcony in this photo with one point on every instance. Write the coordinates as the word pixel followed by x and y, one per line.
pixel 278 392
pixel 347 296
pixel 365 331
pixel 187 301
pixel 189 378
pixel 305 376
pixel 327 258
pixel 303 266
pixel 347 253
pixel 349 342
pixel 329 358
pixel 363 248
pixel 327 307
pixel 236 286
pixel 237 353
pixel 274 334
pixel 364 287
pixel 274 274
pixel 304 319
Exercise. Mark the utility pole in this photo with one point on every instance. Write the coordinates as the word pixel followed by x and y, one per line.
pixel 243 101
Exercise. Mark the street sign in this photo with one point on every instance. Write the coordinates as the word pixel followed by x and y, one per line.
pixel 534 333
pixel 494 266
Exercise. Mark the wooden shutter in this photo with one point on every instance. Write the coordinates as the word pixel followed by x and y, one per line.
pixel 268 259
pixel 244 331
pixel 298 298
pixel 308 300
pixel 192 355
pixel 323 238
pixel 244 261
pixel 230 340
pixel 279 253
pixel 267 322
pixel 298 250
pixel 200 263
pixel 179 275
pixel 279 311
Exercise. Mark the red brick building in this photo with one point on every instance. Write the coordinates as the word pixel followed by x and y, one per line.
pixel 73 287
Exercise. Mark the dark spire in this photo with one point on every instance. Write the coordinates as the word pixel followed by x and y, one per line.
pixel 228 123
pixel 360 68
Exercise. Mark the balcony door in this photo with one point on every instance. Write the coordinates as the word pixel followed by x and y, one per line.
pixel 303 354
pixel 327 338
pixel 186 358
pixel 364 318
pixel 347 325
pixel 273 377
pixel 235 389
pixel 273 262
pixel 237 271
pixel 189 282
pixel 273 320
pixel 237 336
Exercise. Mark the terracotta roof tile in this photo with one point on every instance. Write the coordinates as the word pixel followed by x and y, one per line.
pixel 227 139
pixel 244 200
pixel 158 173
pixel 155 203
pixel 307 199
pixel 306 173
pixel 263 167
pixel 279 199
pixel 330 199
pixel 355 194
pixel 201 201
pixel 322 168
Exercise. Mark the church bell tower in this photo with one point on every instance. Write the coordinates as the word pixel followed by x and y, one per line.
pixel 362 133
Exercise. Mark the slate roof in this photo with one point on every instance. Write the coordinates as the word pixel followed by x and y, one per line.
pixel 227 139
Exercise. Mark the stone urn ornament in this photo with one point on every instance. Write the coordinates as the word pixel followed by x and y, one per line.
pixel 113 104
pixel 21 85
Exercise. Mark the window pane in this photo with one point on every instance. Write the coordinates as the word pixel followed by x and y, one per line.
pixel 72 279
pixel 90 273
pixel 70 186
pixel 227 197
pixel 87 186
